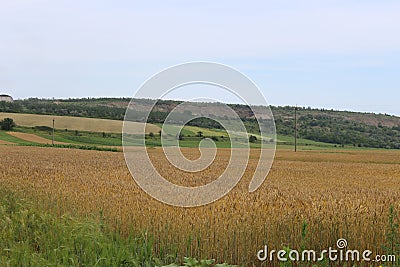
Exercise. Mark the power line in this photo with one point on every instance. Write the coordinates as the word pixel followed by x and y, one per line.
pixel 295 129
pixel 52 140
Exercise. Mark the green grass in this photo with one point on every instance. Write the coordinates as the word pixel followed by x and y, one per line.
pixel 282 139
pixel 79 138
pixel 193 130
pixel 88 138
pixel 92 139
pixel 78 145
pixel 287 142
pixel 75 146
pixel 9 138
pixel 30 236
pixel 194 142
pixel 207 132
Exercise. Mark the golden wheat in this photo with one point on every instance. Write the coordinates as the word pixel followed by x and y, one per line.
pixel 339 193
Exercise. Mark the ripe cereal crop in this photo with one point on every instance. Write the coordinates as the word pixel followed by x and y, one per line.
pixel 337 193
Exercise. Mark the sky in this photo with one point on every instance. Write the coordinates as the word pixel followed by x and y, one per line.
pixel 335 54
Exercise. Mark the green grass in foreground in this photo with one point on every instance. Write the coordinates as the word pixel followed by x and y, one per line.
pixel 31 237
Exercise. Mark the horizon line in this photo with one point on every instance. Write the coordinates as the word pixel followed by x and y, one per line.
pixel 233 103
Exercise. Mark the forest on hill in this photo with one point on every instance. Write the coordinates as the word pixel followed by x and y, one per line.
pixel 329 126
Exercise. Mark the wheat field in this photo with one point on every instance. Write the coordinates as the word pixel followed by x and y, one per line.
pixel 340 194
pixel 76 123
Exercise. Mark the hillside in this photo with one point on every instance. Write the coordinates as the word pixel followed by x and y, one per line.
pixel 330 126
pixel 74 123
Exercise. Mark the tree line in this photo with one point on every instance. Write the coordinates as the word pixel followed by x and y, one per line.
pixel 327 126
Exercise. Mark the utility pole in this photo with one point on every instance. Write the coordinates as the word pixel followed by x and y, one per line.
pixel 52 140
pixel 295 129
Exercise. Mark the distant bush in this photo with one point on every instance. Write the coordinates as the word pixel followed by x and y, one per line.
pixel 83 147
pixel 252 139
pixel 7 124
pixel 43 128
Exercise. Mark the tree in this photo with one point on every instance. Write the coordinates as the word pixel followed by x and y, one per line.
pixel 214 138
pixel 7 124
pixel 252 139
pixel 151 134
pixel 199 134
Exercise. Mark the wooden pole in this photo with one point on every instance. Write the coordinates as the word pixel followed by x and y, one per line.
pixel 52 140
pixel 295 129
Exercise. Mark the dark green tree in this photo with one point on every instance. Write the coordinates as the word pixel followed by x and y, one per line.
pixel 7 124
pixel 252 139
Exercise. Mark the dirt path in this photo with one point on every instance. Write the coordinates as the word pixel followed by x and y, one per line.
pixel 34 138
pixel 6 143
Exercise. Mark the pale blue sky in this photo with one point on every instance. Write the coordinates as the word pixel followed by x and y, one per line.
pixel 332 54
